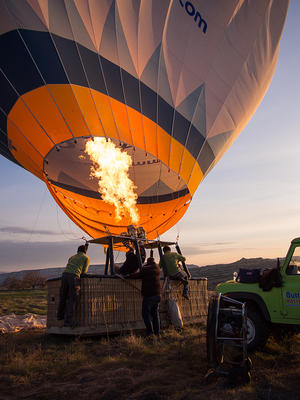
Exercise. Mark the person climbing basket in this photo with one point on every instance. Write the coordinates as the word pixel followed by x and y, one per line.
pixel 173 269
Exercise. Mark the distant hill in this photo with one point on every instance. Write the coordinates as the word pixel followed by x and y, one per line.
pixel 214 273
pixel 49 273
pixel 223 272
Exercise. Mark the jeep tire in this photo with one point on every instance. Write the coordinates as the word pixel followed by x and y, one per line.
pixel 213 352
pixel 257 330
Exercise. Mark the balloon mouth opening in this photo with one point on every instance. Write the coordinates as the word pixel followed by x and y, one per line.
pixel 68 166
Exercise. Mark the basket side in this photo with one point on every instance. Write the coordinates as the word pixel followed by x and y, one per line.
pixel 110 305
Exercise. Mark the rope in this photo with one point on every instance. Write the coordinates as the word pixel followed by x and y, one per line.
pixel 37 216
pixel 128 283
pixel 166 281
pixel 35 222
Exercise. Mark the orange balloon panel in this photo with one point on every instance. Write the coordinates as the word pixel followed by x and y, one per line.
pixel 97 218
pixel 163 195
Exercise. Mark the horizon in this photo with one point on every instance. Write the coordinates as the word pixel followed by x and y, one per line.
pixel 23 269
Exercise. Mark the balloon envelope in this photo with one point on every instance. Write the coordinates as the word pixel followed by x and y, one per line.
pixel 171 82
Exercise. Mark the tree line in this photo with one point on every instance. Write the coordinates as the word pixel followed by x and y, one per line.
pixel 31 280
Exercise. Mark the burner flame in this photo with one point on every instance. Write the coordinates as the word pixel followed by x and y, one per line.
pixel 110 167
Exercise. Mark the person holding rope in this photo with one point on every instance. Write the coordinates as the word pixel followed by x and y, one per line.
pixel 172 260
pixel 150 275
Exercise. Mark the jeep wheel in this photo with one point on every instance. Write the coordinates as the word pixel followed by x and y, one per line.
pixel 257 330
pixel 212 347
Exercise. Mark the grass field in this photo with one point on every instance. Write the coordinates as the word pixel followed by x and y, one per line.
pixel 130 367
pixel 23 301
pixel 34 366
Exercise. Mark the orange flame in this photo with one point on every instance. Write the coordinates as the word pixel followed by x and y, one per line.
pixel 110 167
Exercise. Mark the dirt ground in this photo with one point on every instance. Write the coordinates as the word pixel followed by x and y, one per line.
pixel 36 366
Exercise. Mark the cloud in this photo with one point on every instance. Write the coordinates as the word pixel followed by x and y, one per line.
pixel 193 251
pixel 221 243
pixel 21 230
pixel 207 248
pixel 17 255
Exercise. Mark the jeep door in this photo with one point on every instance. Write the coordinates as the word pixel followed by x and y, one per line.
pixel 291 288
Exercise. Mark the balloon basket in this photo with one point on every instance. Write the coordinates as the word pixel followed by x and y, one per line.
pixel 109 305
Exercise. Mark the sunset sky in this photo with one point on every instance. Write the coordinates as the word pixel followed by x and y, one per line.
pixel 247 206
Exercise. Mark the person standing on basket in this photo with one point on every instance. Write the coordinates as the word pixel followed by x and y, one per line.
pixel 172 260
pixel 150 275
pixel 77 265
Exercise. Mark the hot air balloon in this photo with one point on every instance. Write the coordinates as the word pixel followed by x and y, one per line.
pixel 171 83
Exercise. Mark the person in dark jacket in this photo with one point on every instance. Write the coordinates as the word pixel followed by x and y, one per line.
pixel 150 275
pixel 130 265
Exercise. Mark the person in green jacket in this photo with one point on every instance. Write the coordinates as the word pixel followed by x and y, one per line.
pixel 172 260
pixel 77 265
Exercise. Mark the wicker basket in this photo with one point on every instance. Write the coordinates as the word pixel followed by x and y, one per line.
pixel 111 305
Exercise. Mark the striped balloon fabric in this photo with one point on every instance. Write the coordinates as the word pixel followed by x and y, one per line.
pixel 170 82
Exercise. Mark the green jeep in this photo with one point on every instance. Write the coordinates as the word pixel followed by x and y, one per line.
pixel 270 307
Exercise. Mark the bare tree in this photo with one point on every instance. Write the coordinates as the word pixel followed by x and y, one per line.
pixel 32 280
pixel 12 282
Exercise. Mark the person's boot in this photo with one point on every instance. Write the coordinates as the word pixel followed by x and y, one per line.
pixel 185 293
